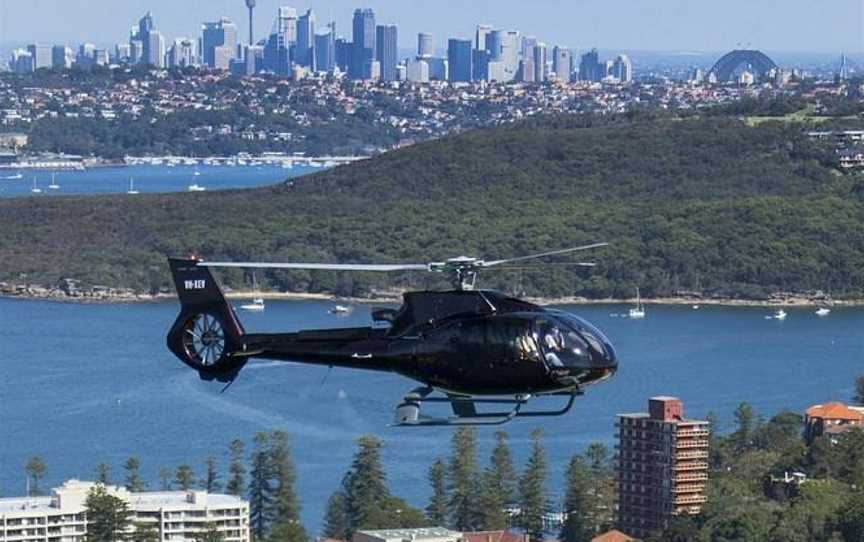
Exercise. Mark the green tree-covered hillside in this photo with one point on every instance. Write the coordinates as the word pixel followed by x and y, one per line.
pixel 708 205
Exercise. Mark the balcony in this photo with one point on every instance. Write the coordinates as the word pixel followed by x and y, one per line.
pixel 682 433
pixel 689 488
pixel 691 477
pixel 690 499
pixel 692 454
pixel 691 465
pixel 692 443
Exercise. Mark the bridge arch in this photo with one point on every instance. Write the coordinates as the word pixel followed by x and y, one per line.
pixel 728 63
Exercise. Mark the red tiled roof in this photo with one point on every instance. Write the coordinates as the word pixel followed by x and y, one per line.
pixel 834 410
pixel 613 536
pixel 492 536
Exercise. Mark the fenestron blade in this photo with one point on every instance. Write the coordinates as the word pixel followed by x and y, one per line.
pixel 491 263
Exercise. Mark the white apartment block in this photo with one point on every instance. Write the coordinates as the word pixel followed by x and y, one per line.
pixel 178 515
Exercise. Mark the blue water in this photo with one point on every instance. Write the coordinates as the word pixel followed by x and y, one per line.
pixel 84 384
pixel 147 179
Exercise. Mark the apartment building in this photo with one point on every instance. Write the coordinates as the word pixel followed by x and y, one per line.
pixel 662 466
pixel 178 515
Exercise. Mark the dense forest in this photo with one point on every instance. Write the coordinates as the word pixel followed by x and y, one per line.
pixel 707 205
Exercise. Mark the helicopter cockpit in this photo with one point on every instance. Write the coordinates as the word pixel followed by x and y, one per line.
pixel 568 341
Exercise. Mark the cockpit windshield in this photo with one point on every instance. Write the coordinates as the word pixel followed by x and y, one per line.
pixel 568 341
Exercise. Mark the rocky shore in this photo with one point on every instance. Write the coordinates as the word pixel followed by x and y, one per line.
pixel 70 290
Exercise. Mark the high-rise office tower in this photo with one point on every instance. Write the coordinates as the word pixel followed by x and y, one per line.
pixel 527 47
pixel 483 31
pixel 662 466
pixel 622 69
pixel 21 61
pixel 344 54
pixel 283 36
pixel 41 55
pixel 843 73
pixel 459 60
pixel 504 47
pixel 122 52
pixel 152 42
pixel 61 56
pixel 85 54
pixel 182 54
pixel 540 62
pixel 363 48
pixel 386 51
pixel 562 63
pixel 526 70
pixel 480 65
pixel 325 49
pixel 304 51
pixel 219 43
pixel 250 4
pixel 425 47
pixel 590 68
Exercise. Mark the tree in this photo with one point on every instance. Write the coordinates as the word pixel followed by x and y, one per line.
pixel 108 517
pixel 211 479
pixel 851 518
pixel 144 532
pixel 210 533
pixel 745 421
pixel 463 480
pixel 134 483
pixel 260 490
pixel 532 489
pixel 493 516
pixel 336 517
pixel 165 475
pixel 436 511
pixel 578 524
pixel 35 470
pixel 236 469
pixel 184 478
pixel 597 455
pixel 365 484
pixel 503 475
pixel 859 390
pixel 103 473
pixel 285 514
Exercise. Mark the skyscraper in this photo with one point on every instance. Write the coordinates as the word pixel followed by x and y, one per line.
pixel 41 56
pixel 539 62
pixel 843 73
pixel 622 69
pixel 182 54
pixel 61 56
pixel 562 63
pixel 590 68
pixel 527 47
pixel 386 50
pixel 363 48
pixel 662 466
pixel 219 43
pixel 425 47
pixel 344 54
pixel 152 42
pixel 503 47
pixel 304 51
pixel 283 36
pixel 483 31
pixel 325 49
pixel 480 65
pixel 459 59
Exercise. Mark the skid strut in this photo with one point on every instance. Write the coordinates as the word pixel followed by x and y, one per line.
pixel 465 409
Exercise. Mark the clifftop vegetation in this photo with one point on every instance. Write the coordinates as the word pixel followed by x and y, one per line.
pixel 710 205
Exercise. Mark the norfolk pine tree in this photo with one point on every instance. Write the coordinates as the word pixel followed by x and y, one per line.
pixel 285 512
pixel 236 470
pixel 108 517
pixel 436 511
pixel 532 488
pixel 134 483
pixel 463 478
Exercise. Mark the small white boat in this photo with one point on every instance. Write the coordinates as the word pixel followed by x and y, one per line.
pixel 823 311
pixel 695 307
pixel 196 173
pixel 257 305
pixel 340 309
pixel 132 190
pixel 15 177
pixel 638 311
pixel 35 189
pixel 195 187
pixel 54 185
pixel 779 314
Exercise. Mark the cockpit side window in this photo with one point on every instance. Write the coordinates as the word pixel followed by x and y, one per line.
pixel 561 345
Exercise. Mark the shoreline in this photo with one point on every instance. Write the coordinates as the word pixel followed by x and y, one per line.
pixel 42 294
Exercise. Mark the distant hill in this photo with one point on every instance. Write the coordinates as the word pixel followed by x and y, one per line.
pixel 707 205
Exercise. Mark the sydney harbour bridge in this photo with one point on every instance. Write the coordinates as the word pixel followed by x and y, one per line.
pixel 754 61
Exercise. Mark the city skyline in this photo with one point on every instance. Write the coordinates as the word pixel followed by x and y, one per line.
pixel 796 26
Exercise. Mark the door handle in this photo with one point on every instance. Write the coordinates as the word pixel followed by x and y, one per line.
pixel 355 355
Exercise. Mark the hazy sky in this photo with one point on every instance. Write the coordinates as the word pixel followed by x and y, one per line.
pixel 670 25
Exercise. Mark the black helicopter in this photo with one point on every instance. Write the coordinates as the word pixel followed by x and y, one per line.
pixel 474 346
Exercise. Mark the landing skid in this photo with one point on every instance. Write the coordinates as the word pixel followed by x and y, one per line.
pixel 465 409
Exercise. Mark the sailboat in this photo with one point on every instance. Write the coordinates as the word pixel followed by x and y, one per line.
pixel 257 304
pixel 53 185
pixel 638 311
pixel 132 190
pixel 823 311
pixel 35 189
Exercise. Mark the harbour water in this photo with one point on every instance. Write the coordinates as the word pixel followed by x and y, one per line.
pixel 146 179
pixel 84 384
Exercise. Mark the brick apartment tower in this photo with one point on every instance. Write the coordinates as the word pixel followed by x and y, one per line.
pixel 662 466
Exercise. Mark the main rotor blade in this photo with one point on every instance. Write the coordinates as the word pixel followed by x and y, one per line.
pixel 530 266
pixel 544 254
pixel 321 266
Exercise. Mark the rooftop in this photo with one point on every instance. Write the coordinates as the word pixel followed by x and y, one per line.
pixel 408 534
pixel 835 410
